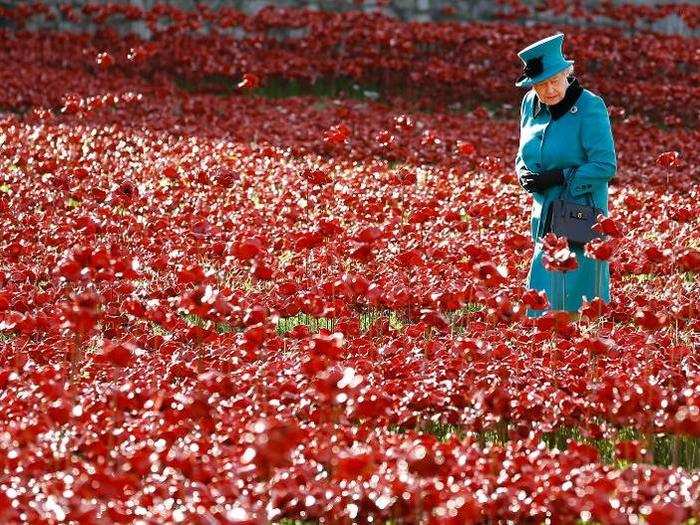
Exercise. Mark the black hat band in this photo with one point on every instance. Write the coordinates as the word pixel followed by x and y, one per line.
pixel 532 68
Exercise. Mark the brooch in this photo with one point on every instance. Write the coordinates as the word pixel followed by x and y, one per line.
pixel 573 109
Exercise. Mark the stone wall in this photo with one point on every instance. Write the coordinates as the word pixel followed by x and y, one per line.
pixel 416 10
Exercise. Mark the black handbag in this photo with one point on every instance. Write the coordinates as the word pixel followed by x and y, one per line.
pixel 567 218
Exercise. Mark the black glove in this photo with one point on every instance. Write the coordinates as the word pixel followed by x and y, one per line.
pixel 550 178
pixel 528 180
pixel 539 182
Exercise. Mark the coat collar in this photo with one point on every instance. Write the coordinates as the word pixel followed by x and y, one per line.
pixel 573 92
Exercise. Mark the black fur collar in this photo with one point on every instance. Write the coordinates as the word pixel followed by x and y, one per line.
pixel 573 92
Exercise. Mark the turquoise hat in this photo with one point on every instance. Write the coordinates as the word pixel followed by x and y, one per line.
pixel 542 60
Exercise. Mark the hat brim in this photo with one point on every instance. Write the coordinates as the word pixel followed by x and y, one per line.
pixel 529 82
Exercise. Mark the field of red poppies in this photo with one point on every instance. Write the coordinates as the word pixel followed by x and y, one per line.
pixel 266 277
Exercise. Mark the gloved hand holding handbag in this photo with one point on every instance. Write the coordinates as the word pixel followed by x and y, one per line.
pixel 539 182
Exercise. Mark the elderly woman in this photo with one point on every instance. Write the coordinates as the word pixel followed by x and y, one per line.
pixel 566 143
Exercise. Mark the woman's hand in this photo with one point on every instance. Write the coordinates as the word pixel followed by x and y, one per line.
pixel 539 182
pixel 528 180
pixel 550 178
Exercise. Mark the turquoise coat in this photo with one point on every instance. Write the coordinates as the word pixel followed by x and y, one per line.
pixel 580 142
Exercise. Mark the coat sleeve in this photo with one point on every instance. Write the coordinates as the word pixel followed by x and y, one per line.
pixel 519 164
pixel 599 148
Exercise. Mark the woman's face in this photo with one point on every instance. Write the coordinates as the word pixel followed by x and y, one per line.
pixel 553 89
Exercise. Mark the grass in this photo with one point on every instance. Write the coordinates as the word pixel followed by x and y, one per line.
pixel 349 88
pixel 558 439
pixel 157 329
pixel 668 450
pixel 442 431
pixel 640 277
pixel 322 88
pixel 7 336
pixel 688 277
pixel 71 203
pixel 366 319
pixel 275 87
pixel 285 324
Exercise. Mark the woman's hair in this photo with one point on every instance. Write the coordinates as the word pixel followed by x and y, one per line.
pixel 569 71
